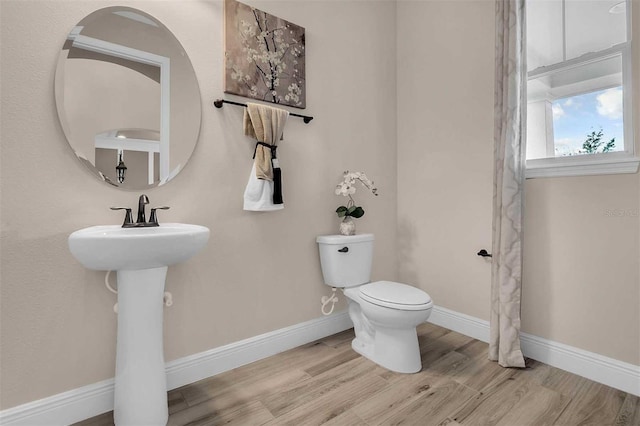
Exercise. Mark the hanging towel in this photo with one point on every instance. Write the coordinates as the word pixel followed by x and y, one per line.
pixel 266 125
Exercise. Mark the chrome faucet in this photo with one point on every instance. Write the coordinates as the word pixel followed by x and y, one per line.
pixel 141 221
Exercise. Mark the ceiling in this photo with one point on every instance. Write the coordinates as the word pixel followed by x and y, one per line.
pixel 589 27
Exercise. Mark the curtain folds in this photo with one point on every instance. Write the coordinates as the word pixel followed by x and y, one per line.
pixel 508 183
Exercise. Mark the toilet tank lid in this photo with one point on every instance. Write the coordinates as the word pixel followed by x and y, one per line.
pixel 344 239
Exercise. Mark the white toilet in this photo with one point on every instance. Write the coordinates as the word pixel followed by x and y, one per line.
pixel 385 314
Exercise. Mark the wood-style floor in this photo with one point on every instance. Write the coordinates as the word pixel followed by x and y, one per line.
pixel 327 383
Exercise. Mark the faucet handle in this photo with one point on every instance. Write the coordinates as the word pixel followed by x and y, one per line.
pixel 154 217
pixel 128 217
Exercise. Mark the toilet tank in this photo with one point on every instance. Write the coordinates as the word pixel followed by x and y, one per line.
pixel 346 260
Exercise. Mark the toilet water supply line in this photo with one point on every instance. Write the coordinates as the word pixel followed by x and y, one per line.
pixel 167 300
pixel 326 299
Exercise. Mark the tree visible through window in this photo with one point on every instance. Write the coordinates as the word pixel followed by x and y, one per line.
pixel 588 124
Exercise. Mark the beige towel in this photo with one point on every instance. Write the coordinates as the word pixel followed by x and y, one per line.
pixel 266 124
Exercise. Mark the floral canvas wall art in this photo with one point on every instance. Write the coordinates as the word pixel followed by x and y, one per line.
pixel 264 56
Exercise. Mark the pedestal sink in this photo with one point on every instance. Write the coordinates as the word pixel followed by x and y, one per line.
pixel 141 257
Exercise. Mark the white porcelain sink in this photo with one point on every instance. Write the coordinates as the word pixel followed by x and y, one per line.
pixel 113 248
pixel 141 256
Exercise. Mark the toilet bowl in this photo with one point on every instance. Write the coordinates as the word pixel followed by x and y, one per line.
pixel 385 314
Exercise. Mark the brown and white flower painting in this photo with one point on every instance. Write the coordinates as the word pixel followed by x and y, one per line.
pixel 264 56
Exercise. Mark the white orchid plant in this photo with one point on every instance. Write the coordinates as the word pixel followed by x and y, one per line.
pixel 347 188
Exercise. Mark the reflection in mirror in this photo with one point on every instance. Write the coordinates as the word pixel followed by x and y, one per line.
pixel 127 98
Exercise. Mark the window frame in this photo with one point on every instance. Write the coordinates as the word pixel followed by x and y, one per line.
pixel 617 162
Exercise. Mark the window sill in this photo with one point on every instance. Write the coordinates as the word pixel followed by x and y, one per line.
pixel 598 164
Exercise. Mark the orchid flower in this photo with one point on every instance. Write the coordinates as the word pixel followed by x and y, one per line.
pixel 347 188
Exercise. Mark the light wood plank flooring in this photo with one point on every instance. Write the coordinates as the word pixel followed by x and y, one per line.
pixel 325 382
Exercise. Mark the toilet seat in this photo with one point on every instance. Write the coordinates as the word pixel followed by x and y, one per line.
pixel 394 295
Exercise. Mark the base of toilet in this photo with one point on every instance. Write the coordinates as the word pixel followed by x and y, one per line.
pixel 394 349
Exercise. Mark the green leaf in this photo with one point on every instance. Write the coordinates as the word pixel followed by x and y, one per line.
pixel 351 210
pixel 610 145
pixel 342 211
pixel 358 212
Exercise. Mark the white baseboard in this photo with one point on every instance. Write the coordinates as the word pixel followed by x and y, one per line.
pixel 64 408
pixel 461 323
pixel 215 361
pixel 599 368
pixel 88 401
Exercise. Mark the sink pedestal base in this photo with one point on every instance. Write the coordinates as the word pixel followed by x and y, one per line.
pixel 140 383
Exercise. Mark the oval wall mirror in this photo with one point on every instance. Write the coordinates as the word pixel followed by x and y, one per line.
pixel 128 99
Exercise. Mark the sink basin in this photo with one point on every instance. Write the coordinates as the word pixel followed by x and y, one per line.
pixel 113 248
pixel 141 257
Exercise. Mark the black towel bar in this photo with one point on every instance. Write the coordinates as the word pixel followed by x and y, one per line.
pixel 219 102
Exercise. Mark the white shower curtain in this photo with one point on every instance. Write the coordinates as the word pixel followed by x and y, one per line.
pixel 508 182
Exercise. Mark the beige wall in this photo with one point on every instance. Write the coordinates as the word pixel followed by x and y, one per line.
pixel 58 330
pixel 260 271
pixel 93 103
pixel 445 149
pixel 581 272
pixel 582 260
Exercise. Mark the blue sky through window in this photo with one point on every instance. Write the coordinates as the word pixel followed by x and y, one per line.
pixel 577 116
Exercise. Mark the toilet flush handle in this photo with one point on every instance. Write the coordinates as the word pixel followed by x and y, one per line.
pixel 344 250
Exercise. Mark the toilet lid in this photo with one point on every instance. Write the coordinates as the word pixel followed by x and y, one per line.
pixel 395 295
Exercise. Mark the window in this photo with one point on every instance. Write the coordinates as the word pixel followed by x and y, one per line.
pixel 579 88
